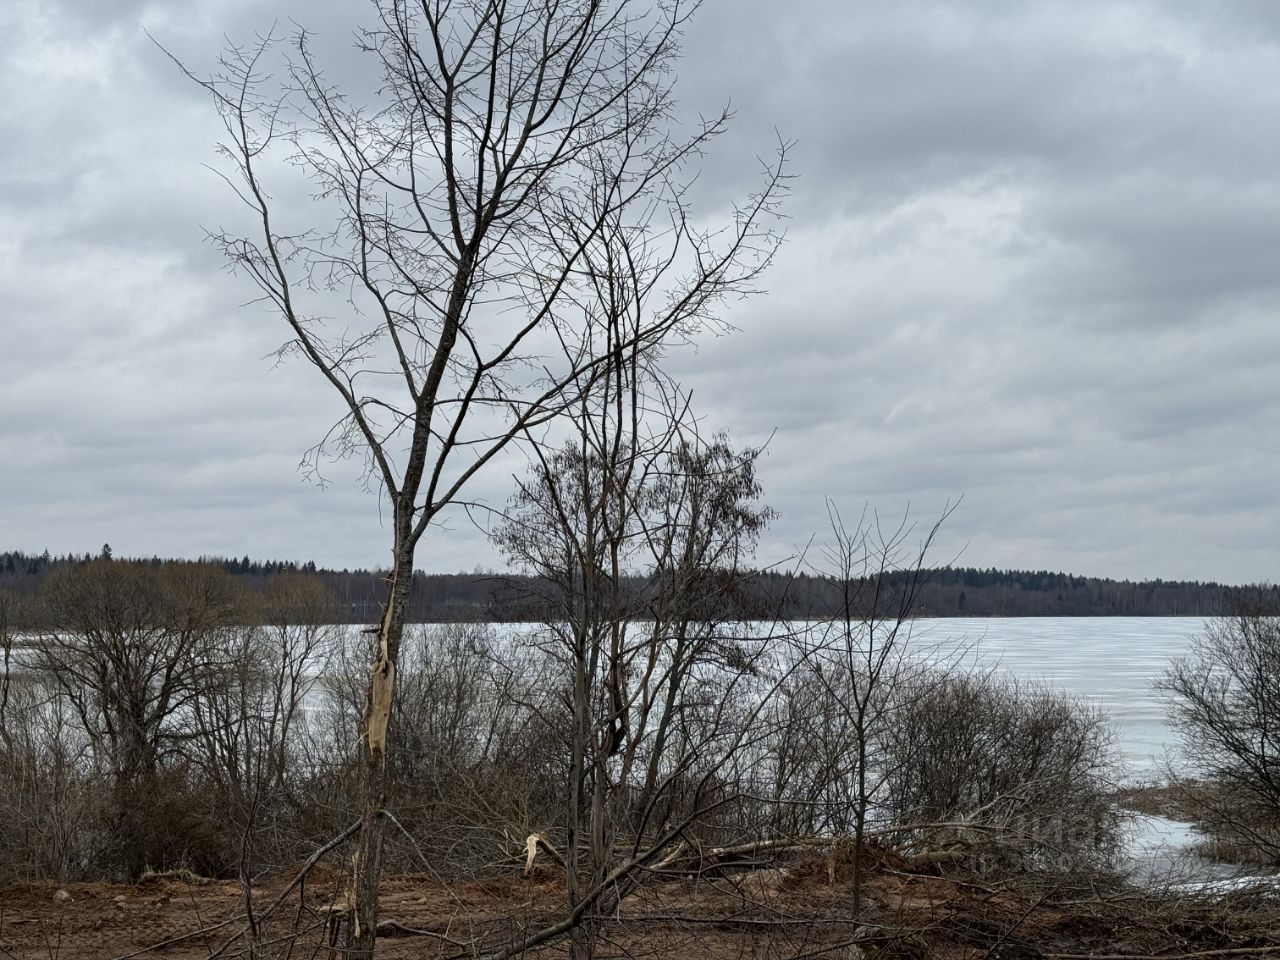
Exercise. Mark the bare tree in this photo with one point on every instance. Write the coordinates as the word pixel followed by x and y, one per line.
pixel 56 809
pixel 505 137
pixel 131 648
pixel 297 628
pixel 244 724
pixel 1224 698
pixel 654 678
pixel 859 666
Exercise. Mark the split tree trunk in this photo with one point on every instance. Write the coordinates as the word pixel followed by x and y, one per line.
pixel 366 866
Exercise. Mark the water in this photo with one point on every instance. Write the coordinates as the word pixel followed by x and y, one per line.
pixel 1110 661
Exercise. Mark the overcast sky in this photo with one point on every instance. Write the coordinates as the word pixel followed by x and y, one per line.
pixel 1033 261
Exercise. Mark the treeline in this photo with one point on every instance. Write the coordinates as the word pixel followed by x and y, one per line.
pixel 970 592
pixel 21 571
pixel 503 597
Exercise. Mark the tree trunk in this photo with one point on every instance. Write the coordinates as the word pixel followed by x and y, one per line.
pixel 366 865
pixel 579 945
pixel 864 800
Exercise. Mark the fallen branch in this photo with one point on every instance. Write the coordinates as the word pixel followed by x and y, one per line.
pixel 388 927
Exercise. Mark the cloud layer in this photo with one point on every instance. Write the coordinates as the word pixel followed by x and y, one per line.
pixel 1033 260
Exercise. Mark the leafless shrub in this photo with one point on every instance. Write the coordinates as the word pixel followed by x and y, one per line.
pixel 50 789
pixel 1224 698
pixel 1021 773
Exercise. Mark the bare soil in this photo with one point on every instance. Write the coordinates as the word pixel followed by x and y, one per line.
pixel 801 913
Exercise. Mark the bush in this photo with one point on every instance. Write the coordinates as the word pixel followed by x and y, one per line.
pixel 1224 698
pixel 1029 768
pixel 56 813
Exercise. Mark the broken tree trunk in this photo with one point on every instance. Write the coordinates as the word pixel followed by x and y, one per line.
pixel 366 866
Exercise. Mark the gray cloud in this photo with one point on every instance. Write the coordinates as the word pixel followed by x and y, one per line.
pixel 1031 261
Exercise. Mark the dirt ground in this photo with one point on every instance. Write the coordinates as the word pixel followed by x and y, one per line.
pixel 801 913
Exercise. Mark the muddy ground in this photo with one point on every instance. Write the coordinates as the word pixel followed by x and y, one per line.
pixel 800 913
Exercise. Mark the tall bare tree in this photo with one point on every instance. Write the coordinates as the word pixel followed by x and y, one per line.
pixel 664 698
pixel 451 216
pixel 636 491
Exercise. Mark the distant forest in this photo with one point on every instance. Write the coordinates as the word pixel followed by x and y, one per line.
pixel 945 592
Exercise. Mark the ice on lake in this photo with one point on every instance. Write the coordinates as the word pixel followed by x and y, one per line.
pixel 1112 662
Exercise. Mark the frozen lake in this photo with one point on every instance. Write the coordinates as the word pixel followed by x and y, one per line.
pixel 1111 661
